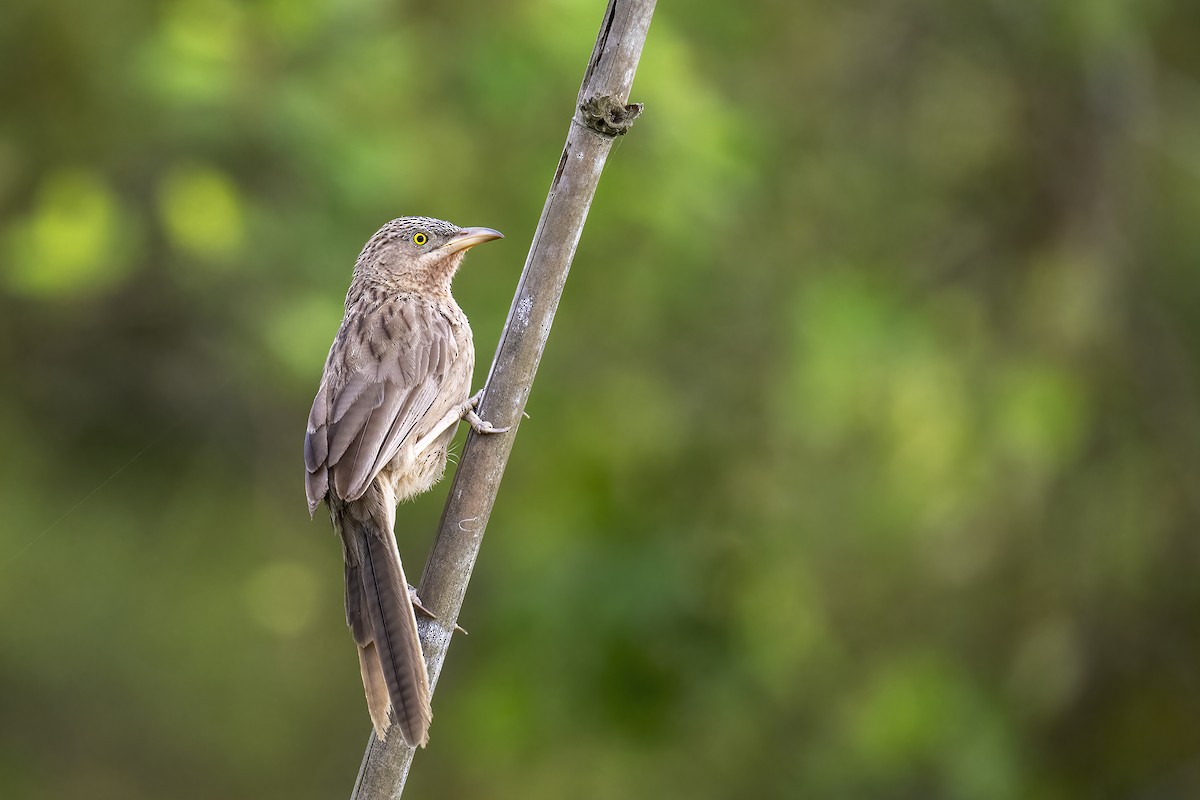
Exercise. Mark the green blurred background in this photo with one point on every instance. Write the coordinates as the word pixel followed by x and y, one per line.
pixel 862 461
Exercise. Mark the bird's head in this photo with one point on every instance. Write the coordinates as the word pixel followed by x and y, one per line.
pixel 419 253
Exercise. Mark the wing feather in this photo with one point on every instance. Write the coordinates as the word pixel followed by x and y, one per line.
pixel 349 429
pixel 368 407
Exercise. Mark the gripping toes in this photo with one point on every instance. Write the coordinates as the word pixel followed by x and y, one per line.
pixel 421 610
pixel 480 425
pixel 477 423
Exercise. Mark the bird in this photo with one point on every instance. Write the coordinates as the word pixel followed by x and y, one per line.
pixel 396 384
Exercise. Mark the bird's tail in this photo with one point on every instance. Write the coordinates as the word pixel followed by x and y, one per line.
pixel 381 618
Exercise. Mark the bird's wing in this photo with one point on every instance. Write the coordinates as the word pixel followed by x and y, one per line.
pixel 390 375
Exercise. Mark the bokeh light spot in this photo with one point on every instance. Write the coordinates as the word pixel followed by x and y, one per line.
pixel 70 243
pixel 202 212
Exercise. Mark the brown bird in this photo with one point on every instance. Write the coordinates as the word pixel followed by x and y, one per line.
pixel 396 383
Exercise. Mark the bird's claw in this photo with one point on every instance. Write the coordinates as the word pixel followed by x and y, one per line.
pixel 477 423
pixel 417 604
pixel 419 607
pixel 482 426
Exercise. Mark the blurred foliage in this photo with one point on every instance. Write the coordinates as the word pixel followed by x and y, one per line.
pixel 862 461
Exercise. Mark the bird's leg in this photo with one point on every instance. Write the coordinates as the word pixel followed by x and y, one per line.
pixel 437 430
pixel 420 608
pixel 464 410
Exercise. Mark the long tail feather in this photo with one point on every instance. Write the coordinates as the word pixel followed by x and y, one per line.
pixel 381 619
pixel 385 592
pixel 375 685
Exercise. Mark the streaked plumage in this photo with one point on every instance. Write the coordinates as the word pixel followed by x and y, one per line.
pixel 395 384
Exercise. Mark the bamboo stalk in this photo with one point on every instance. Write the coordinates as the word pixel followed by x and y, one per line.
pixel 601 115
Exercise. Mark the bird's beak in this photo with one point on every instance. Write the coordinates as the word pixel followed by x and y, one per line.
pixel 469 237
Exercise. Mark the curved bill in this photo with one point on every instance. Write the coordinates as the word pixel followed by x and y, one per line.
pixel 469 237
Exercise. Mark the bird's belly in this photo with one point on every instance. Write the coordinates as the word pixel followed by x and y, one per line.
pixel 411 476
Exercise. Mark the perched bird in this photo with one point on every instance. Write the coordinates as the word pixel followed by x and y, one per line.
pixel 396 384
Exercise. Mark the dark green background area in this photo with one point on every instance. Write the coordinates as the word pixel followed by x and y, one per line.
pixel 863 462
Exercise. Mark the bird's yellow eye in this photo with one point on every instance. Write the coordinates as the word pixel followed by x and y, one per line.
pixel 420 239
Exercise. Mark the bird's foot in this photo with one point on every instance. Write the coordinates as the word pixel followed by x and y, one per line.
pixel 420 608
pixel 477 423
pixel 417 604
pixel 480 425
